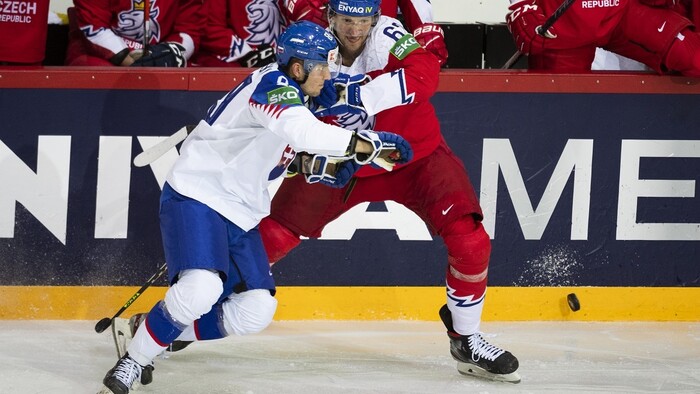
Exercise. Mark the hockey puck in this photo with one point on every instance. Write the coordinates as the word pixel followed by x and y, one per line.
pixel 574 304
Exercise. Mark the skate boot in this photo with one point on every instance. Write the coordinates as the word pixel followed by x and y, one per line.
pixel 123 331
pixel 476 357
pixel 125 375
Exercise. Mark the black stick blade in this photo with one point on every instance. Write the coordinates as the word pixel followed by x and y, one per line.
pixel 103 324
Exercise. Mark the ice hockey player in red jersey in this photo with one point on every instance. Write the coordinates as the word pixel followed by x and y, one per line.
pixel 417 16
pixel 112 32
pixel 240 33
pixel 649 31
pixel 386 83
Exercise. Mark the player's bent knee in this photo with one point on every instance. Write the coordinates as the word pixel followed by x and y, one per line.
pixel 249 312
pixel 193 295
pixel 278 239
pixel 468 246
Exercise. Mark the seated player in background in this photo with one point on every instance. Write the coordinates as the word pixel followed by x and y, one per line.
pixel 23 28
pixel 649 31
pixel 240 33
pixel 113 33
pixel 386 82
pixel 416 14
pixel 217 192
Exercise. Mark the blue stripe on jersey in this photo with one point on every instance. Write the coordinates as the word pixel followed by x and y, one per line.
pixel 215 110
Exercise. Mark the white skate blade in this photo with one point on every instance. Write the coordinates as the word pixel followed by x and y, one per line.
pixel 473 370
pixel 121 332
pixel 105 390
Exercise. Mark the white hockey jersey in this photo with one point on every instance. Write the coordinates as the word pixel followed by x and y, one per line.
pixel 246 142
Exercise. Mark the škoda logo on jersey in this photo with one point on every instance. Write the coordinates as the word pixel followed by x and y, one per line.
pixel 283 95
pixel 404 46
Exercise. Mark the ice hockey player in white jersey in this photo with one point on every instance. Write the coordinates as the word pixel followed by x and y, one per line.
pixel 216 194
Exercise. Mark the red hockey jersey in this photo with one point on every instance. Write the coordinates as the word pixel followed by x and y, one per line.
pixel 585 22
pixel 405 77
pixel 23 27
pixel 112 25
pixel 236 27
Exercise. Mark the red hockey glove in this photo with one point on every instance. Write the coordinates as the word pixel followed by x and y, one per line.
pixel 308 10
pixel 524 19
pixel 432 38
pixel 660 3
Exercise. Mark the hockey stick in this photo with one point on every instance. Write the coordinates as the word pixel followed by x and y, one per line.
pixel 541 30
pixel 146 25
pixel 153 153
pixel 106 322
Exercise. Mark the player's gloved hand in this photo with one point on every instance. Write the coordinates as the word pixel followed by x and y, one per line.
pixel 388 149
pixel 349 100
pixel 432 38
pixel 328 96
pixel 343 173
pixel 524 21
pixel 262 55
pixel 314 167
pixel 308 10
pixel 164 54
pixel 660 3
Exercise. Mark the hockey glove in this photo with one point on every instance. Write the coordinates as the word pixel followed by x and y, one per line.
pixel 349 100
pixel 260 56
pixel 343 173
pixel 328 96
pixel 388 149
pixel 165 54
pixel 432 38
pixel 524 21
pixel 308 10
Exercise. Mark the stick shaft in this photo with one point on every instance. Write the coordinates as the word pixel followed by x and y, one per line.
pixel 153 153
pixel 146 25
pixel 555 16
pixel 149 282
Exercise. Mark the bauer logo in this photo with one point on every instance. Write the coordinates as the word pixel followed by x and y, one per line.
pixel 404 46
pixel 283 95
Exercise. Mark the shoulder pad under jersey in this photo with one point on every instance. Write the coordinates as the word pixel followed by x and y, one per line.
pixel 275 87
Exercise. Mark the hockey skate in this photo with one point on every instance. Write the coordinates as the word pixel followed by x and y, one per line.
pixel 125 375
pixel 476 357
pixel 123 331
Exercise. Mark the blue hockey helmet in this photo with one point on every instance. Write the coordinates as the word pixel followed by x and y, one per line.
pixel 355 7
pixel 310 43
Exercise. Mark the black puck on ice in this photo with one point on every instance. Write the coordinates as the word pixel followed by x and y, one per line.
pixel 574 304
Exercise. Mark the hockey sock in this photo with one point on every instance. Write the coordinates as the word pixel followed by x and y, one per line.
pixel 469 249
pixel 210 325
pixel 154 335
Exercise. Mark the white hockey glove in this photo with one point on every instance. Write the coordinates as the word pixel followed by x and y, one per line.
pixel 330 171
pixel 348 101
pixel 343 173
pixel 389 149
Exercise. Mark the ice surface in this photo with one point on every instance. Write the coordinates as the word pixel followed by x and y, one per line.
pixel 364 357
